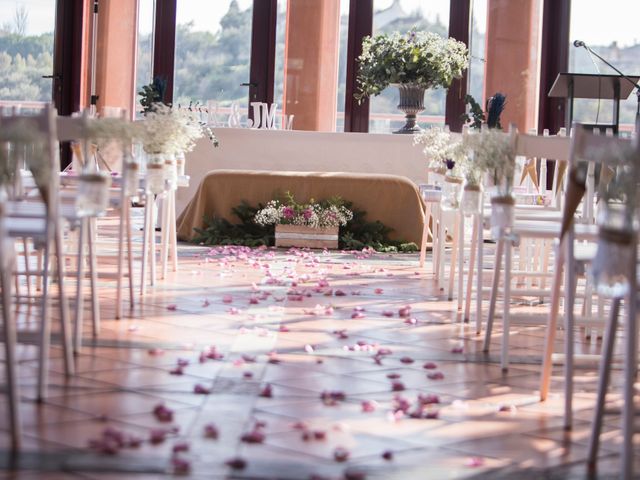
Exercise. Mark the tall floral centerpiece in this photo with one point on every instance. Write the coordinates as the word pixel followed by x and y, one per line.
pixel 413 62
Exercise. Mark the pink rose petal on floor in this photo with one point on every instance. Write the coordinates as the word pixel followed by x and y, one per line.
pixel 430 366
pixel 397 386
pixel 163 413
pixel 457 350
pixel 339 293
pixel 227 299
pixel 205 303
pixel 411 321
pixel 201 389
pixel 233 311
pixel 435 376
pixel 341 454
pixel 254 436
pixel 236 463
pixel 404 311
pixel 172 307
pixel 369 406
pixel 155 351
pixel 378 291
pixel 247 374
pixel 356 315
pixel 407 360
pixel 211 431
pixel 308 348
pixel 177 371
pixel 387 313
pixel 387 455
pixel 393 376
pixel 181 447
pixel 181 466
pixel 474 462
pixel 267 391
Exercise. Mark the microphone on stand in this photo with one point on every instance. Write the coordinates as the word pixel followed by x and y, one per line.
pixel 579 43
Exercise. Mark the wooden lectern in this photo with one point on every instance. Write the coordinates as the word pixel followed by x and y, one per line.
pixel 593 86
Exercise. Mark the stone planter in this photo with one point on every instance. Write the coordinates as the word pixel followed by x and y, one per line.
pixel 306 237
pixel 411 103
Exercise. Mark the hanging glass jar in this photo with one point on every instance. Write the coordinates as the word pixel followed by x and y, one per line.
pixel 132 185
pixel 451 190
pixel 502 214
pixel 93 194
pixel 171 172
pixel 471 202
pixel 155 176
pixel 180 164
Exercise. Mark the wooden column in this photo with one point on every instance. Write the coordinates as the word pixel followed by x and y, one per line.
pixel 512 59
pixel 554 59
pixel 459 17
pixel 164 46
pixel 356 116
pixel 311 63
pixel 116 54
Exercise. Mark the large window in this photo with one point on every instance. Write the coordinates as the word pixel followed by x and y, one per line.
pixel 144 58
pixel 477 47
pixel 401 16
pixel 613 34
pixel 26 51
pixel 213 50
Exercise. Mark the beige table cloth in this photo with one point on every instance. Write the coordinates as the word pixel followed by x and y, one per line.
pixel 393 200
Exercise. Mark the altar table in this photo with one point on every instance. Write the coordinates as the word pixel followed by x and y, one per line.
pixel 393 200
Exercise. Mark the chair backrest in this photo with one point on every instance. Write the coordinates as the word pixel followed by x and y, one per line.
pixel 31 141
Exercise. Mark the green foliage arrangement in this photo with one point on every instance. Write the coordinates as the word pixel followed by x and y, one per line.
pixel 356 235
pixel 423 58
pixel 152 95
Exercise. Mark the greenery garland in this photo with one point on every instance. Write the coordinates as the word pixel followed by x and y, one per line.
pixel 356 235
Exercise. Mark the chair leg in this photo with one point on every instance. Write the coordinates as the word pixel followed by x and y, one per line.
pixel 569 334
pixel 454 256
pixel 10 339
pixel 164 235
pixel 472 262
pixel 506 321
pixel 146 241
pixel 93 261
pixel 45 327
pixel 173 236
pixel 77 344
pixel 461 264
pixel 120 265
pixel 152 244
pixel 630 373
pixel 494 294
pixel 27 267
pixel 603 380
pixel 65 327
pixel 480 275
pixel 425 235
pixel 552 325
pixel 127 219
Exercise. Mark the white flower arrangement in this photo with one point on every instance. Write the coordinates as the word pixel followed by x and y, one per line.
pixel 171 131
pixel 493 153
pixel 442 150
pixel 326 214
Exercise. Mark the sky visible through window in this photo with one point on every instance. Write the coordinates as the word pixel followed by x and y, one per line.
pixel 591 22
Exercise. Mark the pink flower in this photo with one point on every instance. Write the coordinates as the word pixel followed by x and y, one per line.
pixel 288 213
pixel 307 214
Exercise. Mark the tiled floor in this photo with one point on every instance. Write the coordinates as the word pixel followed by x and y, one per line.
pixel 322 332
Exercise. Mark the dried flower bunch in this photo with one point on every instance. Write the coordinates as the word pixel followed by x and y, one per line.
pixel 442 149
pixel 324 214
pixel 493 153
pixel 422 58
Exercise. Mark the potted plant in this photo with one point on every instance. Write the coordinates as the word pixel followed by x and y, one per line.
pixel 313 224
pixel 413 62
